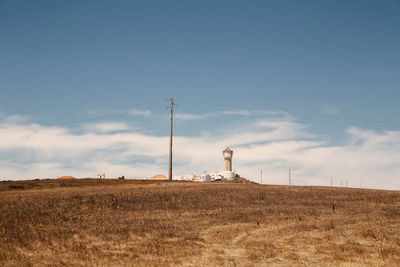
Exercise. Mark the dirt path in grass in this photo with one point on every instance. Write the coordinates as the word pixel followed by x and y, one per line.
pixel 277 245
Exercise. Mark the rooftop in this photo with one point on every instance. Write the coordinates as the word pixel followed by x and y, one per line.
pixel 159 176
pixel 65 177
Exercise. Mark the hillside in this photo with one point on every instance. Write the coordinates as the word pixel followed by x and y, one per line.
pixel 117 223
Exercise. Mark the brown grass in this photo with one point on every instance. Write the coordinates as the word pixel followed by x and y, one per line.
pixel 125 223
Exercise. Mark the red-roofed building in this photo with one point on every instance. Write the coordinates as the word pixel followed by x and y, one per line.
pixel 159 176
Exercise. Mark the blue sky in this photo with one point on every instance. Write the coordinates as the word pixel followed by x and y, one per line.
pixel 330 68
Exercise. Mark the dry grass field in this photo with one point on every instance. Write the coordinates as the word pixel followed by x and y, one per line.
pixel 129 223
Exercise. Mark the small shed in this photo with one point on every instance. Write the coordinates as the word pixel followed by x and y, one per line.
pixel 159 176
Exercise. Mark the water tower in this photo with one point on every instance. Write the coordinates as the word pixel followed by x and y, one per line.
pixel 227 153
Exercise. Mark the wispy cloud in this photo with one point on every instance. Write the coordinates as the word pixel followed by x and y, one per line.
pixel 14 119
pixel 241 112
pixel 245 112
pixel 192 116
pixel 140 112
pixel 105 127
pixel 104 111
pixel 132 112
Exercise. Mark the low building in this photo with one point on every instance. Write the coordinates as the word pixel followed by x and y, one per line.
pixel 189 177
pixel 228 175
pixel 178 178
pixel 205 178
pixel 159 176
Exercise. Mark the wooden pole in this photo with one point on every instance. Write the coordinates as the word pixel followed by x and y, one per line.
pixel 172 104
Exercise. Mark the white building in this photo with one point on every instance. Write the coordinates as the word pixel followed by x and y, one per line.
pixel 227 175
pixel 203 178
pixel 178 178
pixel 101 175
pixel 189 177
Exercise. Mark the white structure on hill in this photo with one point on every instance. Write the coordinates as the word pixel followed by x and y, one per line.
pixel 203 178
pixel 178 178
pixel 226 174
pixel 101 175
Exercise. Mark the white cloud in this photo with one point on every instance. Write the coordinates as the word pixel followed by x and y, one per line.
pixel 15 119
pixel 30 150
pixel 191 116
pixel 132 112
pixel 106 127
pixel 245 112
pixel 104 111
pixel 240 112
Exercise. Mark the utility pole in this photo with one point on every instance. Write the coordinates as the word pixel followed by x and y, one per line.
pixel 261 175
pixel 171 107
pixel 290 176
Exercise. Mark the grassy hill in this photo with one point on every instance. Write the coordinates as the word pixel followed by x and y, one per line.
pixel 117 223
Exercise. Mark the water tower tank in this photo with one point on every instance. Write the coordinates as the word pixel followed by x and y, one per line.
pixel 227 153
